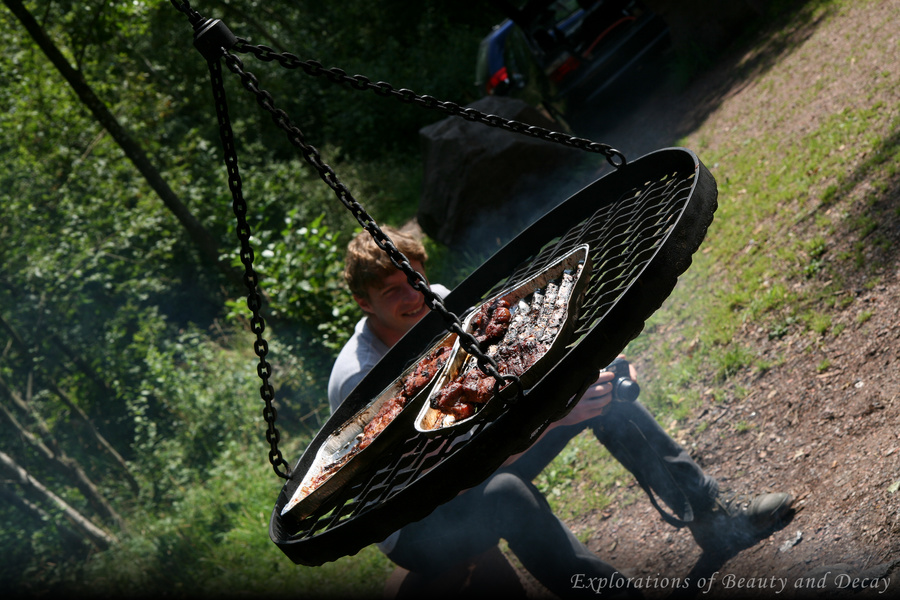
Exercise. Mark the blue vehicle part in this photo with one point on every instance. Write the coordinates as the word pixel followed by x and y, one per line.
pixel 568 58
pixel 492 75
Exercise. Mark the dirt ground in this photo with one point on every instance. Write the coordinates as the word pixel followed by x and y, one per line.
pixel 830 437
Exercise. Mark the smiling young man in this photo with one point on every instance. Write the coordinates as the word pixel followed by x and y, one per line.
pixel 390 304
pixel 462 532
pixel 394 307
pixel 507 505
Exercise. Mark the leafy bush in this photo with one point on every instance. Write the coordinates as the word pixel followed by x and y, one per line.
pixel 308 288
pixel 114 303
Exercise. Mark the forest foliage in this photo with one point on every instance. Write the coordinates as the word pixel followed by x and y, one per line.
pixel 127 363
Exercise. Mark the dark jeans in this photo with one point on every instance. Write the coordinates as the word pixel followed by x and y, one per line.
pixel 508 506
pixel 636 440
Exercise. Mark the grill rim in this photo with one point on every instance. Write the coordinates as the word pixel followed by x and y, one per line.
pixel 625 319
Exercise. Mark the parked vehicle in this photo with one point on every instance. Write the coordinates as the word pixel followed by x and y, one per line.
pixel 564 53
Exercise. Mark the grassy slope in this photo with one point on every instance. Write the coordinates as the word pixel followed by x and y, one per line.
pixel 805 158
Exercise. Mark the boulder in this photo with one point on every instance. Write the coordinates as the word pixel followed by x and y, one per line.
pixel 472 170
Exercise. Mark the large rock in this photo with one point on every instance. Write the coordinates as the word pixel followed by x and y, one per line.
pixel 473 170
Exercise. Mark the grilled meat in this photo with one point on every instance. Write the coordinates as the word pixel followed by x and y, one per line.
pixel 425 371
pixel 515 337
pixel 472 386
pixel 557 312
pixel 517 357
pixel 491 322
pixel 462 396
pixel 413 383
pixel 410 385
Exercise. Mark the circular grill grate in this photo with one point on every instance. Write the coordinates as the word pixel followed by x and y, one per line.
pixel 642 224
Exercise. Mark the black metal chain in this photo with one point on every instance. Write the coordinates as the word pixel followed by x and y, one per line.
pixel 254 299
pixel 185 6
pixel 239 207
pixel 486 363
pixel 363 83
pixel 215 41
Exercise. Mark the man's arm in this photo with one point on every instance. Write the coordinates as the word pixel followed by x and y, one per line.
pixel 557 435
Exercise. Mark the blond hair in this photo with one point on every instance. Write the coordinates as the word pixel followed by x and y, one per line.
pixel 368 265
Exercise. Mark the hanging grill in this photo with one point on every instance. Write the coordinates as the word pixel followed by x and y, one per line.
pixel 642 226
pixel 642 223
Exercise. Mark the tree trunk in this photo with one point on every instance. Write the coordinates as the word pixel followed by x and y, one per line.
pixel 67 466
pixel 73 541
pixel 104 443
pixel 70 404
pixel 82 524
pixel 201 238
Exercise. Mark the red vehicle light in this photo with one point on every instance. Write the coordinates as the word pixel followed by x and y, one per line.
pixel 567 66
pixel 497 79
pixel 622 21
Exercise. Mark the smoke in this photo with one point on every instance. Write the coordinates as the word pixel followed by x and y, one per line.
pixel 535 195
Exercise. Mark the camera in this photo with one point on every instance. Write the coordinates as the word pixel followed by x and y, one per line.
pixel 625 389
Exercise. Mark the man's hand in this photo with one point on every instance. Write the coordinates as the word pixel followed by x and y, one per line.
pixel 597 396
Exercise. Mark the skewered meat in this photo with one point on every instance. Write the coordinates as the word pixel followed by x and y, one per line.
pixel 491 322
pixel 516 337
pixel 472 386
pixel 462 395
pixel 516 358
pixel 558 308
pixel 425 371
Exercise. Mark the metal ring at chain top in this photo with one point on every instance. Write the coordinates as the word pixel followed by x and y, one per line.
pixel 486 363
pixel 361 82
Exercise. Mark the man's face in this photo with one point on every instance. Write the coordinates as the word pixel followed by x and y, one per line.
pixel 395 307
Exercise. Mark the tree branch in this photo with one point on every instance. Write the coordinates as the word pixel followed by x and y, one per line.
pixel 40 517
pixel 82 524
pixel 201 238
pixel 65 465
pixel 70 404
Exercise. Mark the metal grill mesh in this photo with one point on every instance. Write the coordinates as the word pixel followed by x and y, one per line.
pixel 624 236
pixel 409 462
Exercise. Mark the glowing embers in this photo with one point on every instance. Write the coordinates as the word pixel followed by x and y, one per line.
pixel 523 329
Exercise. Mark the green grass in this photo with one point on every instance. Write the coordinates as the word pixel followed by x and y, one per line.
pixel 586 465
pixel 864 316
pixel 772 261
pixel 773 232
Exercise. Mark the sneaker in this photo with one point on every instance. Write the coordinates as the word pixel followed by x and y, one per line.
pixel 738 521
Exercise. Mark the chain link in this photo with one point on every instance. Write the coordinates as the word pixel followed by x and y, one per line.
pixel 486 363
pixel 381 88
pixel 185 7
pixel 254 299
